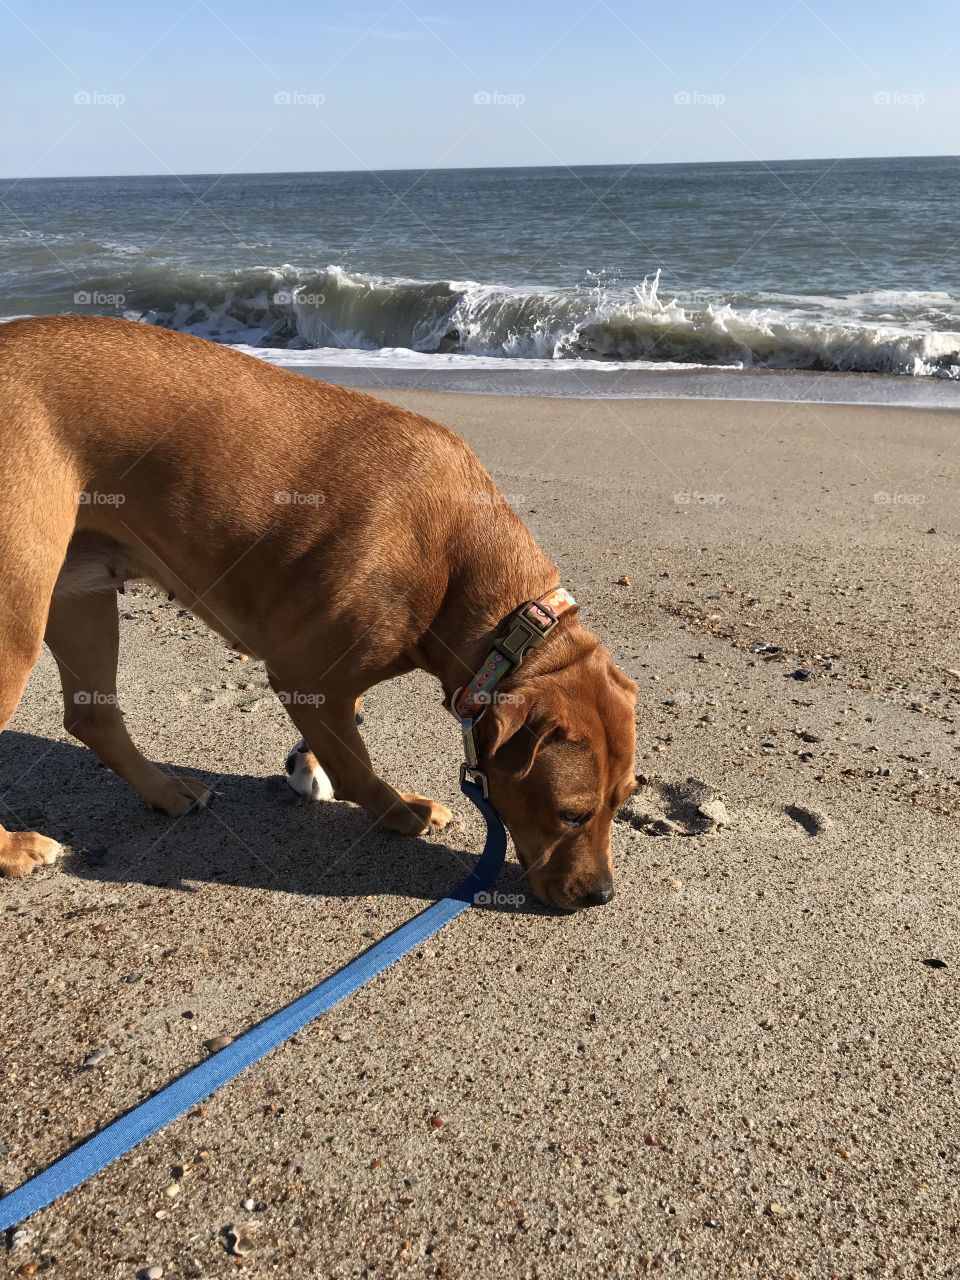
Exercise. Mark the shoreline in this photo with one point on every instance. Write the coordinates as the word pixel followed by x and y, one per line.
pixel 561 381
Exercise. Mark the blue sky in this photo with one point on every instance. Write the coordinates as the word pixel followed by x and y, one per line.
pixel 212 86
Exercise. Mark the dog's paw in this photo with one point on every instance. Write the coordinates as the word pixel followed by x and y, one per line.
pixel 23 851
pixel 417 815
pixel 176 796
pixel 305 775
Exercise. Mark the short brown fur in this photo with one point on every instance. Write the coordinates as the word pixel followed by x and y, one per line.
pixel 394 551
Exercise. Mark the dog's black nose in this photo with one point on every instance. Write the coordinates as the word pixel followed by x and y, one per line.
pixel 599 897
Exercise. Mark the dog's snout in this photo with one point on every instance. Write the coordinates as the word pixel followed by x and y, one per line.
pixel 599 897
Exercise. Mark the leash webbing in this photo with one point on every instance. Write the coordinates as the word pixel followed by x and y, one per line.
pixel 201 1081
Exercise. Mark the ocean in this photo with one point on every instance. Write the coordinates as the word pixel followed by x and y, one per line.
pixel 824 266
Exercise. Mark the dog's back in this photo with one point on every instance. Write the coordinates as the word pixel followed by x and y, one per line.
pixel 139 428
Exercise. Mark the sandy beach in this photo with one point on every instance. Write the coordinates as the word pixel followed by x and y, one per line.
pixel 745 1065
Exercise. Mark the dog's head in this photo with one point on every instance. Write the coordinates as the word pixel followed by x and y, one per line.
pixel 558 749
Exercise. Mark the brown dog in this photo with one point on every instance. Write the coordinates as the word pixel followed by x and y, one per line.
pixel 339 539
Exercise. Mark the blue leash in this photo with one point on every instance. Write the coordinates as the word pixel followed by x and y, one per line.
pixel 204 1079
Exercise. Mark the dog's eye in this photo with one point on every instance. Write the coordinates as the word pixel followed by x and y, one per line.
pixel 575 819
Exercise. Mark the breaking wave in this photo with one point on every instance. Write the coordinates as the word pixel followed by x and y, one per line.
pixel 910 332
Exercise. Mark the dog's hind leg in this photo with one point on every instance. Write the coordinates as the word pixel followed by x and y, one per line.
pixel 306 774
pixel 31 552
pixel 329 725
pixel 83 633
pixel 20 851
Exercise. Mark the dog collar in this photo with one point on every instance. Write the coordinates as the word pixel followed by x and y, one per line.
pixel 525 629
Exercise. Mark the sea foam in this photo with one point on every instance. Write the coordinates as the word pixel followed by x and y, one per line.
pixel 912 332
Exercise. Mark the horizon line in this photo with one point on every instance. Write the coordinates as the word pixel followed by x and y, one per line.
pixel 478 168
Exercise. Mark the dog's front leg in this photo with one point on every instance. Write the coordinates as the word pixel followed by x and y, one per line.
pixel 328 724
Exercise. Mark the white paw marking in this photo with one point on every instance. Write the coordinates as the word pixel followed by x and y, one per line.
pixel 53 854
pixel 310 782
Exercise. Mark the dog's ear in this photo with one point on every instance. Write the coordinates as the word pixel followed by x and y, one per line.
pixel 517 728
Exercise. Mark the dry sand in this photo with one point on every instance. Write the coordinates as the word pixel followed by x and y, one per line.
pixel 745 1065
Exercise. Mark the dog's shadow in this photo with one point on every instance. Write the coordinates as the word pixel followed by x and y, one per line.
pixel 257 833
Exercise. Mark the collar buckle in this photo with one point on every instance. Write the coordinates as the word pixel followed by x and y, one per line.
pixel 476 777
pixel 523 635
pixel 526 628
